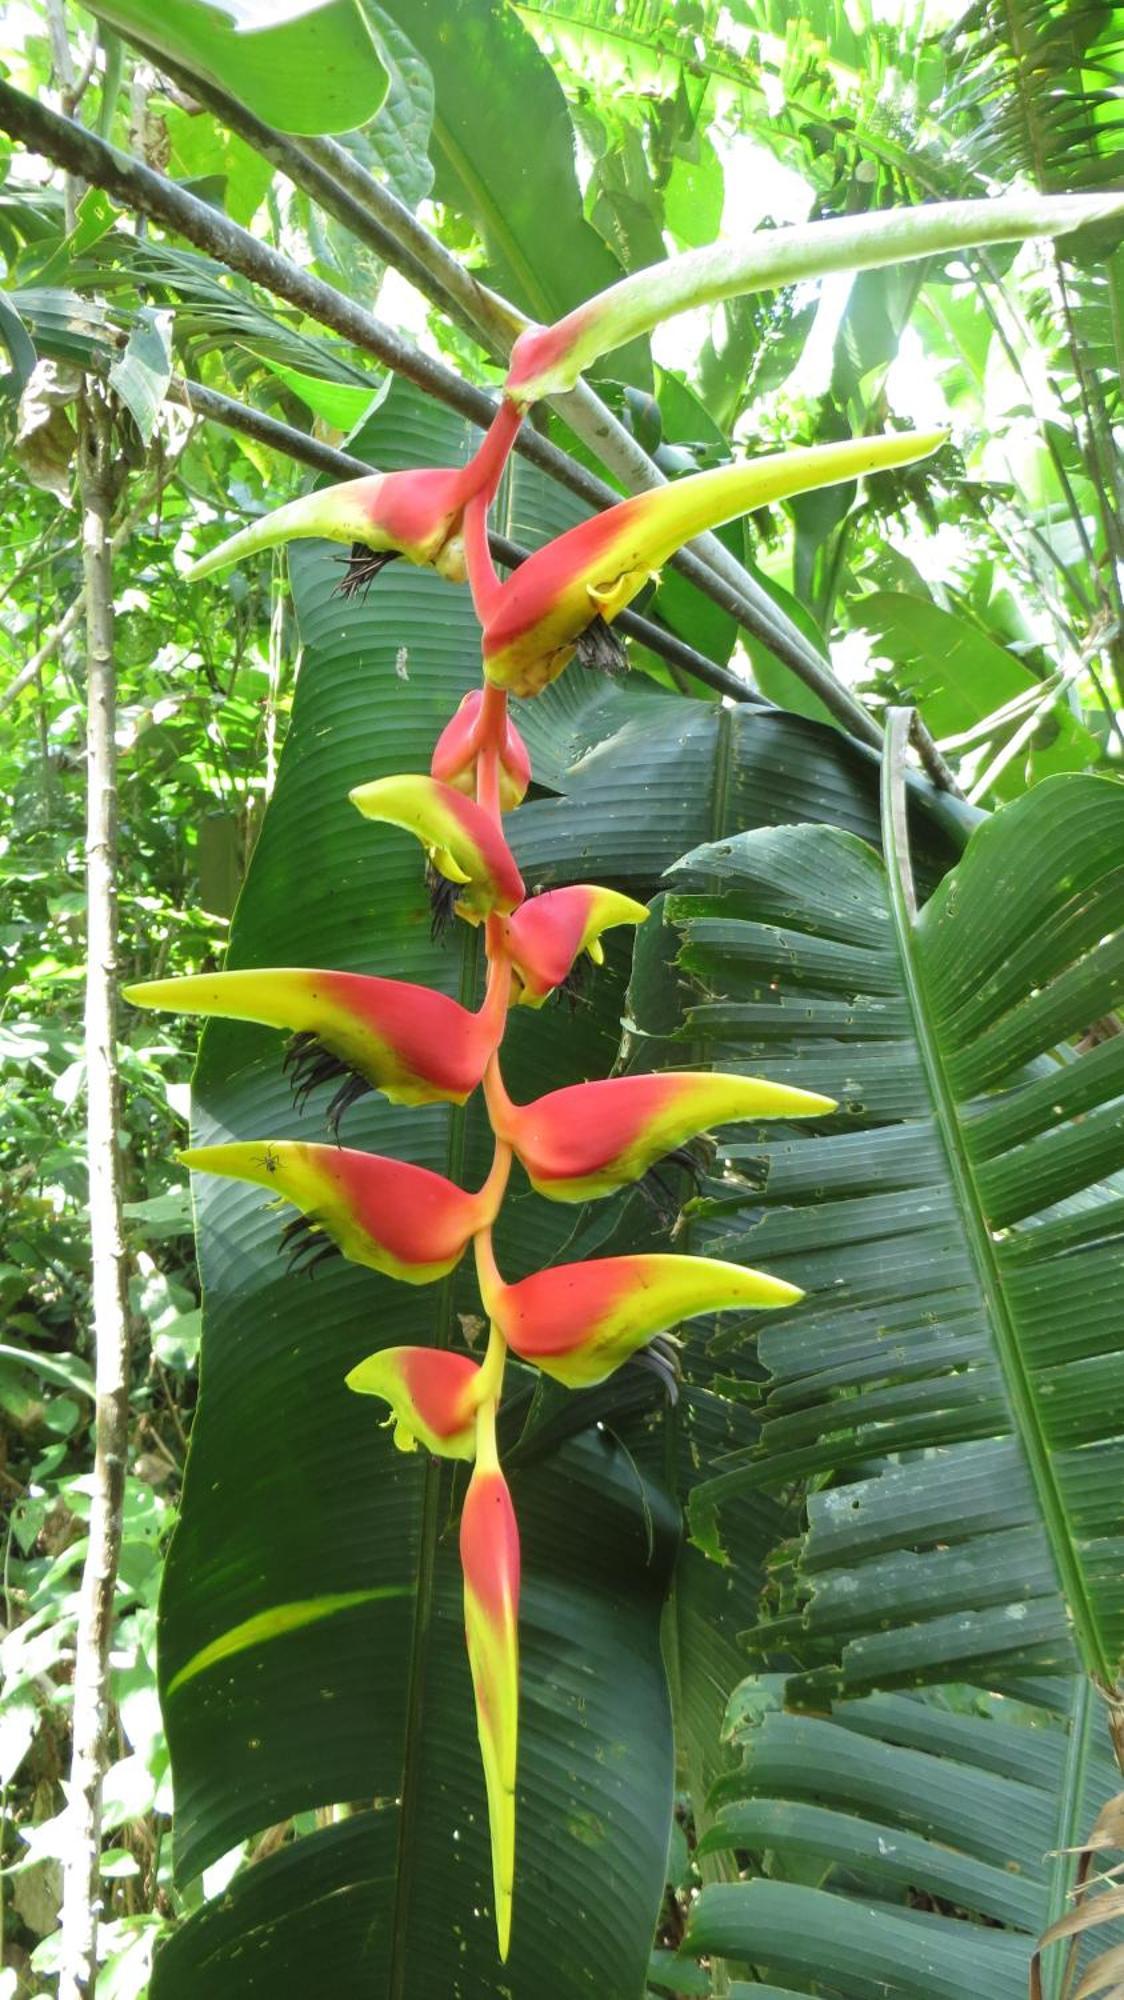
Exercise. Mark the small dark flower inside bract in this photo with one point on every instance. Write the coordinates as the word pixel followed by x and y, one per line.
pixel 601 649
pixel 363 566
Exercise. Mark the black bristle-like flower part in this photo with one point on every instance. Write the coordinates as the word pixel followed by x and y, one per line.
pixel 572 989
pixel 308 1064
pixel 600 649
pixel 694 1159
pixel 442 901
pixel 364 565
pixel 661 1359
pixel 350 1091
pixel 304 1242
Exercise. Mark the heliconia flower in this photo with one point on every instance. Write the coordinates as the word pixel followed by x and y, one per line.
pixel 464 844
pixel 489 1545
pixel 417 513
pixel 458 746
pixel 416 1046
pixel 579 1322
pixel 548 359
pixel 548 933
pixel 433 1397
pixel 394 1217
pixel 580 581
pixel 592 1138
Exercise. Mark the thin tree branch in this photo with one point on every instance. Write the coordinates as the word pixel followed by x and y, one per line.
pixel 70 146
pixel 306 450
pixel 942 774
pixel 328 173
pixel 81 1873
pixel 38 659
pixel 58 632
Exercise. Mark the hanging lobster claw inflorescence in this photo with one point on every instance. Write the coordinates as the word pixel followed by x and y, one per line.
pixel 577 1322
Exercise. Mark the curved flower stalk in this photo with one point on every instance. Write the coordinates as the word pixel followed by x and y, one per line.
pixel 593 1138
pixel 538 618
pixel 416 1046
pixel 547 935
pixel 433 1395
pixel 396 1218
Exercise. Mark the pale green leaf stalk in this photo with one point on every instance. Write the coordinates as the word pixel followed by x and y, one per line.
pixel 548 360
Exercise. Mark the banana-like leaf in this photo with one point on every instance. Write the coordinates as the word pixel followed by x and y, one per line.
pixel 312 1645
pixel 317 69
pixel 957 1362
pixel 909 1846
pixel 657 775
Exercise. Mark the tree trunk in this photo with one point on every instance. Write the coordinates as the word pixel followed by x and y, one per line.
pixel 81 1877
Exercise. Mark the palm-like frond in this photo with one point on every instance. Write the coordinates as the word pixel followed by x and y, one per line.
pixel 212 312
pixel 909 1846
pixel 967 1410
pixel 1034 89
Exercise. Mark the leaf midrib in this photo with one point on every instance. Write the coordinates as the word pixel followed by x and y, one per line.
pixel 495 223
pixel 1021 1402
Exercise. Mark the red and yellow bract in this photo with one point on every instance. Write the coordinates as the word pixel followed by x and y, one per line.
pixel 433 1395
pixel 592 1138
pixel 489 1549
pixel 463 843
pixel 415 1045
pixel 536 619
pixel 547 935
pixel 579 1322
pixel 458 748
pixel 394 1217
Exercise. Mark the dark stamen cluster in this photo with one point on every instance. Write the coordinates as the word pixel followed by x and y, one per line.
pixel 661 1359
pixel 304 1243
pixel 574 988
pixel 693 1160
pixel 308 1064
pixel 442 901
pixel 600 649
pixel 363 567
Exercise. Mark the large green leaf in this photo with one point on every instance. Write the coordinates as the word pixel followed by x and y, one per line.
pixel 648 775
pixel 957 1229
pixel 316 70
pixel 951 668
pixel 503 145
pixel 312 1654
pixel 890 1834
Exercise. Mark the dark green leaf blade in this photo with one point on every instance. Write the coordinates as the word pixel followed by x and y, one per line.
pixel 312 1647
pixel 316 70
pixel 943 1243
